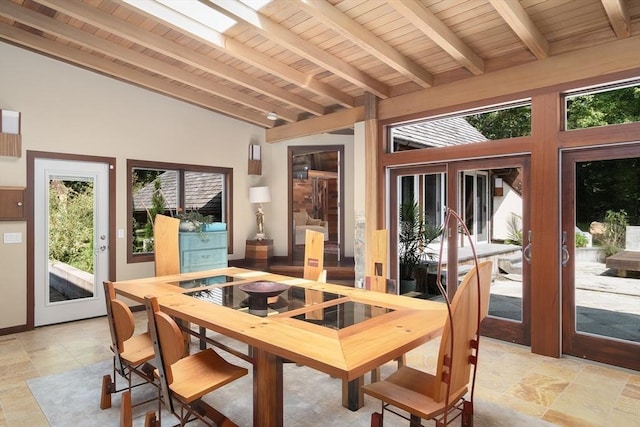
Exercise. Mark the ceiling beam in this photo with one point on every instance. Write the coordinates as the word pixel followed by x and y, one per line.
pixel 108 22
pixel 423 19
pixel 316 125
pixel 261 61
pixel 350 29
pixel 281 35
pixel 60 29
pixel 517 18
pixel 618 14
pixel 74 56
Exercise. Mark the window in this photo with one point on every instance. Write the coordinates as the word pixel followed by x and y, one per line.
pixel 502 122
pixel 173 189
pixel 610 105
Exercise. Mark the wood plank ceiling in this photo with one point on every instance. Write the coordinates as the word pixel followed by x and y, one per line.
pixel 302 59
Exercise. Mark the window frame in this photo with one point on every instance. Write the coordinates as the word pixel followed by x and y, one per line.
pixel 181 168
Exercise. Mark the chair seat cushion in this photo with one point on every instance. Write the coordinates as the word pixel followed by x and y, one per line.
pixel 138 349
pixel 200 373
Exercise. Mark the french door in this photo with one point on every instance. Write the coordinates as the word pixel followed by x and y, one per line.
pixel 600 218
pixel 491 195
pixel 71 239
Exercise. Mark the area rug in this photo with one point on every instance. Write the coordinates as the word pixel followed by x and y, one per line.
pixel 312 399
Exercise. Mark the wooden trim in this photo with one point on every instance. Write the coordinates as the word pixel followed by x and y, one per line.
pixel 608 58
pixel 545 296
pixel 29 209
pixel 342 119
pixel 613 134
pixel 13 330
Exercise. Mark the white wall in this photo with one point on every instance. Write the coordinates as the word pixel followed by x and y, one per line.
pixel 66 109
pixel 504 207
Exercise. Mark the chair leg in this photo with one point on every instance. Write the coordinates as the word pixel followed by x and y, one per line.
pixel 126 416
pixel 150 420
pixel 376 419
pixel 105 395
pixel 467 414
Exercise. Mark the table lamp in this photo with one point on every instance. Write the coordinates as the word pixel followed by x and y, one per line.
pixel 260 195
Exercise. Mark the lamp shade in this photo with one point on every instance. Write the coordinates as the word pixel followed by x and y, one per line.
pixel 259 195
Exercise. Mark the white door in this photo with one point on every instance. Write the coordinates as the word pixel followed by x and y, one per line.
pixel 475 206
pixel 71 243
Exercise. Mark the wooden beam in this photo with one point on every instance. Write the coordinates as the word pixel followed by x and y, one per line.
pixel 60 29
pixel 281 35
pixel 371 189
pixel 363 38
pixel 517 18
pixel 618 15
pixel 142 37
pixel 251 56
pixel 420 16
pixel 342 119
pixel 74 56
pixel 545 235
pixel 607 58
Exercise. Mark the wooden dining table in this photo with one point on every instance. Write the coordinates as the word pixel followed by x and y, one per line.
pixel 343 331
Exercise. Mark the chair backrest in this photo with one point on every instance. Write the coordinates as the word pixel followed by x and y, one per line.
pixel 377 261
pixel 454 362
pixel 166 336
pixel 121 321
pixel 165 238
pixel 313 255
pixel 486 272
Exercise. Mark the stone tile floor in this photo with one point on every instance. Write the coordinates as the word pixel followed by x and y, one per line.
pixel 565 391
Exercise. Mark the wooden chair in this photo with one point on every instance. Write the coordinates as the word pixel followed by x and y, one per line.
pixel 313 269
pixel 166 250
pixel 184 380
pixel 131 353
pixel 427 396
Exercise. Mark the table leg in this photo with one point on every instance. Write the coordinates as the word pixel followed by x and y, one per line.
pixel 352 394
pixel 267 389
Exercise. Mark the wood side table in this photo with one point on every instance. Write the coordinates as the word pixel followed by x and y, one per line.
pixel 258 253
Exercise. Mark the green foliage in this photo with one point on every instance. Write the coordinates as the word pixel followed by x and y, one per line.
pixel 157 207
pixel 615 224
pixel 604 108
pixel 413 237
pixel 581 240
pixel 71 224
pixel 507 123
pixel 514 230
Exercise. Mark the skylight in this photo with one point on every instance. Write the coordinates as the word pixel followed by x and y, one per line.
pixel 193 16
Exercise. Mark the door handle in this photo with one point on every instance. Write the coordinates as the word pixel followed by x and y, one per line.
pixel 565 250
pixel 526 252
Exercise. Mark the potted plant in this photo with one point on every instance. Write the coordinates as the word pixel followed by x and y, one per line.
pixel 414 235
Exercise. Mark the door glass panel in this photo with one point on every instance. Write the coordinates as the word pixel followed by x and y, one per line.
pixel 316 201
pixel 607 248
pixel 71 241
pixel 493 209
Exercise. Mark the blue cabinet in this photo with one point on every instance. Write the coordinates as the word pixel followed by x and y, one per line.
pixel 202 250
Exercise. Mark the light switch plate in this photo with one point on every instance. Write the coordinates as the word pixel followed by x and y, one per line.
pixel 12 238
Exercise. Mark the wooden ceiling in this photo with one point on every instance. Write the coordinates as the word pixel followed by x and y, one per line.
pixel 302 59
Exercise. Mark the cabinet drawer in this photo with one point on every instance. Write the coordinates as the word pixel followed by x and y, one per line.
pixel 203 259
pixel 214 239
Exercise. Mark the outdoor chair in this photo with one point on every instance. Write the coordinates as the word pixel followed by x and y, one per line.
pixel 184 380
pixel 132 354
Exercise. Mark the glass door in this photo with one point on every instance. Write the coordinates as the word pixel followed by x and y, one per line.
pixel 601 254
pixel 71 201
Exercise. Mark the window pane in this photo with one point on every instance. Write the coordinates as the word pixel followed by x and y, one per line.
pixel 606 107
pixel 155 191
pixel 510 122
pixel 204 192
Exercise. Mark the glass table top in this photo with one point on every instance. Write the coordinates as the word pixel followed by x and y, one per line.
pixel 205 281
pixel 297 301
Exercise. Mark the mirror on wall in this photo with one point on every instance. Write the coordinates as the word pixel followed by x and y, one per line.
pixel 315 199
